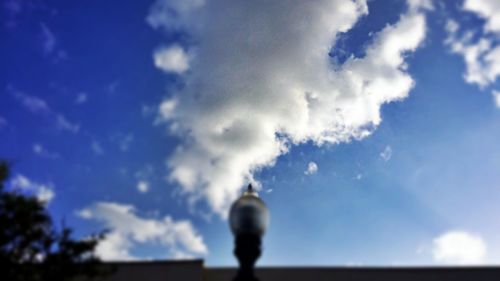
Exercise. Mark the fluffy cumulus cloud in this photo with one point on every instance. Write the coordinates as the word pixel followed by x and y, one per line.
pixel 487 9
pixel 260 80
pixel 171 59
pixel 459 247
pixel 127 230
pixel 480 49
pixel 43 191
pixel 312 168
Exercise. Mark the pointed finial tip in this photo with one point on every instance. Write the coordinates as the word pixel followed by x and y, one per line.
pixel 250 191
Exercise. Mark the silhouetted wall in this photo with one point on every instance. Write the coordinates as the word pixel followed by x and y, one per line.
pixel 195 271
pixel 154 271
pixel 363 274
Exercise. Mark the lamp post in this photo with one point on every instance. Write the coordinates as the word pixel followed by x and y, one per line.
pixel 248 219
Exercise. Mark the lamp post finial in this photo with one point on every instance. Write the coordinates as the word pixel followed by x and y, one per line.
pixel 248 219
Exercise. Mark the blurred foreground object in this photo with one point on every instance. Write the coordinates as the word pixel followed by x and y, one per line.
pixel 248 219
pixel 31 249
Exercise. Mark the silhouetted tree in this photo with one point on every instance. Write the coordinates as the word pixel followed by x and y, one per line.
pixel 32 249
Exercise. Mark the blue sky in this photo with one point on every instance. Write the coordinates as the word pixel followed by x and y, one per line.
pixel 371 128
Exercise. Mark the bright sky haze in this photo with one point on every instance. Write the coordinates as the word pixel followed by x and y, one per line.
pixel 369 128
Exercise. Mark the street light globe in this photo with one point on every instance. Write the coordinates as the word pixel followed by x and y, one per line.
pixel 249 214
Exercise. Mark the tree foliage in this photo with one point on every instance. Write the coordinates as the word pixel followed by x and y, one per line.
pixel 32 249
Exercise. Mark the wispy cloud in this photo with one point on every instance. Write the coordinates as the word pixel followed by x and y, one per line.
pixel 128 230
pixel 66 125
pixel 36 105
pixel 41 151
pixel 96 147
pixel 81 98
pixel 124 141
pixel 48 39
pixel 3 122
pixel 50 45
pixel 13 8
pixel 386 154
pixel 112 86
pixel 171 59
pixel 148 110
pixel 32 103
pixel 144 176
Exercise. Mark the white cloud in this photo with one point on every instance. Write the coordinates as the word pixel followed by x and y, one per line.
pixel 143 177
pixel 171 59
pixel 43 191
pixel 261 80
pixel 166 110
pixel 128 230
pixel 386 154
pixel 84 213
pixel 21 181
pixel 496 98
pixel 143 186
pixel 479 49
pixel 115 247
pixel 312 168
pixel 481 57
pixel 421 4
pixel 489 10
pixel 180 255
pixel 459 247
